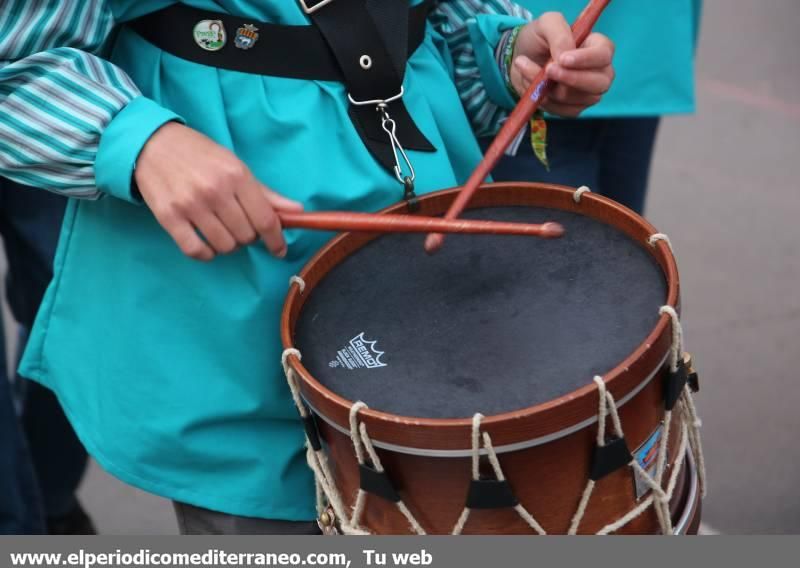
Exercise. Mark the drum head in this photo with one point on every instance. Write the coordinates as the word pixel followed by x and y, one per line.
pixel 489 324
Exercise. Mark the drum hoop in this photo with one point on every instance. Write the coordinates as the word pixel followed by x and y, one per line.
pixel 562 196
pixel 682 526
pixel 504 449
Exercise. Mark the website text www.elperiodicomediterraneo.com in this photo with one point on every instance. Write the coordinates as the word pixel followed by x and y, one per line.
pixel 215 557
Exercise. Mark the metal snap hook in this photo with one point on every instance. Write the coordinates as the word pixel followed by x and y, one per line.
pixel 389 126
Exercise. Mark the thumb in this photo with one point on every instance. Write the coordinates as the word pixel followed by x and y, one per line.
pixel 527 68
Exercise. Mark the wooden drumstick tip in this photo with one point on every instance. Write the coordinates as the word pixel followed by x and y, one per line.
pixel 433 242
pixel 552 230
pixel 549 230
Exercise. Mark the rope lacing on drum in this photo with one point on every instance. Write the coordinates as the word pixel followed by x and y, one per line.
pixel 608 409
pixel 362 443
pixel 687 400
pixel 654 238
pixel 579 193
pixel 301 284
pixel 689 438
pixel 317 460
pixel 481 441
pixel 482 438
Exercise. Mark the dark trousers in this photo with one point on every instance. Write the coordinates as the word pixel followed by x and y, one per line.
pixel 611 156
pixel 20 503
pixel 198 521
pixel 41 459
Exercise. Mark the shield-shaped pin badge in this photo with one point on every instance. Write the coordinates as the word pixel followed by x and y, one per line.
pixel 246 36
pixel 210 35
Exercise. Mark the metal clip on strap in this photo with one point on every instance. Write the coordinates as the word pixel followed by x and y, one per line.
pixel 378 102
pixel 370 42
pixel 390 127
pixel 314 7
pixel 407 181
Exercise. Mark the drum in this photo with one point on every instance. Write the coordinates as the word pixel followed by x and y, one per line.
pixel 506 385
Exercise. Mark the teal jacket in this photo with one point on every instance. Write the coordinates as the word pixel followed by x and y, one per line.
pixel 654 60
pixel 168 368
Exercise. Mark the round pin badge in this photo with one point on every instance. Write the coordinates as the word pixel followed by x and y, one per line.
pixel 246 36
pixel 210 35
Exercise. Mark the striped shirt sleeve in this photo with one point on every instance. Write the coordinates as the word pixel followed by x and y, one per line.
pixel 56 95
pixel 472 30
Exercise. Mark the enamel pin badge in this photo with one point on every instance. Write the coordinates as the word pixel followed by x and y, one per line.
pixel 246 36
pixel 210 35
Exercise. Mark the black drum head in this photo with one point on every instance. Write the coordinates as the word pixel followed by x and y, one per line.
pixel 490 324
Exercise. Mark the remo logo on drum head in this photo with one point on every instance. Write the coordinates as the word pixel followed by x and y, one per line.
pixel 359 353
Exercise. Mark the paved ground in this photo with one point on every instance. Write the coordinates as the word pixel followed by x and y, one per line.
pixel 724 190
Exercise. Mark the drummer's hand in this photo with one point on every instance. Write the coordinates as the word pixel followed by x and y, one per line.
pixel 195 185
pixel 583 75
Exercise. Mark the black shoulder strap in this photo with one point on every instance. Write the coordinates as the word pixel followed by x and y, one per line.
pixel 351 31
pixel 369 39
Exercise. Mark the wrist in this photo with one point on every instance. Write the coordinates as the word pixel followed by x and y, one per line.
pixel 122 143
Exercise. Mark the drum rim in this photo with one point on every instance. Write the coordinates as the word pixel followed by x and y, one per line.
pixel 683 526
pixel 502 449
pixel 540 421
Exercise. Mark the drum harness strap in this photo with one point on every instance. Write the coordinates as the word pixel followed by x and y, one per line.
pixel 373 62
pixel 364 45
pixel 611 452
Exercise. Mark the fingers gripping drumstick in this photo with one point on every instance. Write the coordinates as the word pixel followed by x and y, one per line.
pixel 517 120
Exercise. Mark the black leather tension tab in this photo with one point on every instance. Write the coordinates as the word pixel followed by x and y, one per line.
pixel 673 386
pixel 312 433
pixel 369 39
pixel 377 483
pixel 609 458
pixel 490 494
pixel 694 381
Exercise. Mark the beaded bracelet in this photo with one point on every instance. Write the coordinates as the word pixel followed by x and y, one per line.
pixel 505 54
pixel 538 125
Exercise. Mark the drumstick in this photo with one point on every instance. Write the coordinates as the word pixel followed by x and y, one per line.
pixel 517 120
pixel 377 223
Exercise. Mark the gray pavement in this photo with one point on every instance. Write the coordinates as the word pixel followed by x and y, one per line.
pixel 724 189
